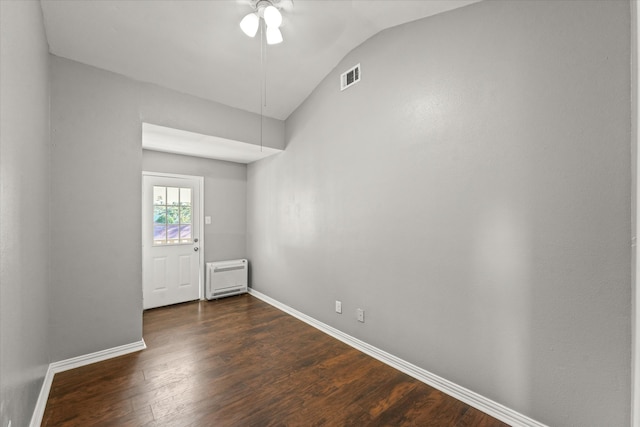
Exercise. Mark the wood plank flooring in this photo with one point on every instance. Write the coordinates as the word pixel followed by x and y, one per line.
pixel 240 362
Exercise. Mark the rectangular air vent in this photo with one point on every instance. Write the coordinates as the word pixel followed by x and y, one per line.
pixel 350 77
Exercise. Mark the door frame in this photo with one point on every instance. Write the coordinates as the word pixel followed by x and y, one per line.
pixel 200 180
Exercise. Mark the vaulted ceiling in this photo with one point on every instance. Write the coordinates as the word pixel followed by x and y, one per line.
pixel 197 47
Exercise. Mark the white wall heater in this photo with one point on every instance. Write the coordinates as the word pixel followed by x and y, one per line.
pixel 226 278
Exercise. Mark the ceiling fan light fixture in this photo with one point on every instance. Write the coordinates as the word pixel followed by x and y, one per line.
pixel 274 36
pixel 250 24
pixel 268 16
pixel 272 16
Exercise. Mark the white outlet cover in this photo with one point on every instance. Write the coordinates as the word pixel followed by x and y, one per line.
pixel 360 315
pixel 339 307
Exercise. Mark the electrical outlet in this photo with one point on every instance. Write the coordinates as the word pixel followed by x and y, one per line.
pixel 339 307
pixel 9 425
pixel 360 315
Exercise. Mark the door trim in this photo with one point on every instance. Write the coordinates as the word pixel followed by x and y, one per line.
pixel 200 180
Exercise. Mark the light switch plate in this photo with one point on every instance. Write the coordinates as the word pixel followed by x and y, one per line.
pixel 207 220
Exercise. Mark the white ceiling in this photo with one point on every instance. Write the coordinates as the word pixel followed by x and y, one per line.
pixel 169 140
pixel 197 47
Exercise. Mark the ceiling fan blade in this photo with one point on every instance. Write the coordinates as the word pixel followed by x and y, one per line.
pixel 286 5
pixel 244 3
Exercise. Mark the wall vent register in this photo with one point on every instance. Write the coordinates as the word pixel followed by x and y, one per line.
pixel 350 77
pixel 226 278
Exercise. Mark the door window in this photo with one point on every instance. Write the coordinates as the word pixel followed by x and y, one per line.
pixel 172 215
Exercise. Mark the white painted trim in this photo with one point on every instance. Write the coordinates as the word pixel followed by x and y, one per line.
pixel 41 404
pixel 76 362
pixel 467 396
pixel 202 234
pixel 200 180
pixel 98 356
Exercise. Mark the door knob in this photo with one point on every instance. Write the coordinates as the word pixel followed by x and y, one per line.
pixel 195 240
pixel 195 249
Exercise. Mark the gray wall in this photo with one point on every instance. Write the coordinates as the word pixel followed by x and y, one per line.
pixel 24 209
pixel 96 296
pixel 225 199
pixel 472 194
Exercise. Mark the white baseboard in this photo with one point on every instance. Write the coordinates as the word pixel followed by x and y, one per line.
pixel 467 396
pixel 76 362
pixel 41 404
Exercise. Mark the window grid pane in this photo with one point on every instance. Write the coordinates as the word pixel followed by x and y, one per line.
pixel 172 215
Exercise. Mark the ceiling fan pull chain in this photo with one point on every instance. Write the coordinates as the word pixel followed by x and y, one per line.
pixel 262 81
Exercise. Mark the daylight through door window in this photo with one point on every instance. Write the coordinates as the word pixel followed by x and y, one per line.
pixel 172 216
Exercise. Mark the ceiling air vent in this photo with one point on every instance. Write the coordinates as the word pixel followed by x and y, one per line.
pixel 350 77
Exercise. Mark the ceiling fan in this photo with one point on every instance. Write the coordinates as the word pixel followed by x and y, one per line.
pixel 269 12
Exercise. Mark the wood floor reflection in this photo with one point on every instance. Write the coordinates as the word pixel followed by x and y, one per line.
pixel 240 362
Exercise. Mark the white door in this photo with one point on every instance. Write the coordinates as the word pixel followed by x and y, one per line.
pixel 171 243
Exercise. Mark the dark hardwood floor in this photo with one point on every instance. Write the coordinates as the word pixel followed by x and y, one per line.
pixel 240 362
